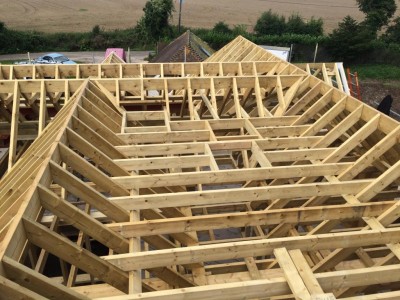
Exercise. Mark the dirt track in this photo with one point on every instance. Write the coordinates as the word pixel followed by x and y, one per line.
pixel 82 15
pixel 82 57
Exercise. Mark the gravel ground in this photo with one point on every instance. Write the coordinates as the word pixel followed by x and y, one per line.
pixel 82 57
pixel 373 91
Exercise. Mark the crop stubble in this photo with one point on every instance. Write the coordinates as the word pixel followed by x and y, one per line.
pixel 82 15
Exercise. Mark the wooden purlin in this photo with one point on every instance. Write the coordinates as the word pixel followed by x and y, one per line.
pixel 247 182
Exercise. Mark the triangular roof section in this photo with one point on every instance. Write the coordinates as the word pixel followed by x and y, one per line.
pixel 113 58
pixel 218 180
pixel 186 48
pixel 241 49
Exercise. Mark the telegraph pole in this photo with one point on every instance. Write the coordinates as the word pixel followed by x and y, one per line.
pixel 180 15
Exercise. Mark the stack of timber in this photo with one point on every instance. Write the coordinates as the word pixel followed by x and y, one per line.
pixel 246 179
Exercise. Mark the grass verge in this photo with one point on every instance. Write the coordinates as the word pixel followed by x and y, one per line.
pixel 378 71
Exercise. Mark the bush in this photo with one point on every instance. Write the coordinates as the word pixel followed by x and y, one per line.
pixel 240 29
pixel 96 30
pixel 273 24
pixel 222 27
pixel 287 39
pixel 296 25
pixel 270 24
pixel 315 27
pixel 216 40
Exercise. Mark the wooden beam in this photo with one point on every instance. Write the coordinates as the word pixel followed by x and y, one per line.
pixel 98 138
pixel 254 218
pixel 96 155
pixel 288 97
pixel 12 290
pixel 371 155
pixel 315 108
pixel 195 254
pixel 237 195
pixel 71 253
pixel 43 114
pixel 266 288
pixel 165 137
pixel 136 164
pixel 77 187
pixel 305 272
pixel 292 275
pixel 89 171
pixel 249 289
pixel 252 267
pixel 326 118
pixel 82 221
pixel 380 183
pixel 93 122
pixel 14 126
pixel 229 176
pixel 210 107
pixel 172 277
pixel 303 101
pixel 353 141
pixel 98 112
pixel 36 282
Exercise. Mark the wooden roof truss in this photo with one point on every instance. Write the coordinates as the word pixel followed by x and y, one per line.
pixel 253 181
pixel 113 58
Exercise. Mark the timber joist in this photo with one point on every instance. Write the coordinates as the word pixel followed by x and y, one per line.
pixel 162 70
pixel 242 177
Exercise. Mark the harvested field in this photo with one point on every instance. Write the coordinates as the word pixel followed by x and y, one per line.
pixel 82 15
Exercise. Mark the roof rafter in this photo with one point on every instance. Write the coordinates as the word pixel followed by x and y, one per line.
pixel 240 177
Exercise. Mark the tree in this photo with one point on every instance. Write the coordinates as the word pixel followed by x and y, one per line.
pixel 96 30
pixel 155 22
pixel 393 32
pixel 378 12
pixel 240 29
pixel 270 24
pixel 273 24
pixel 222 27
pixel 350 40
pixel 295 24
pixel 315 27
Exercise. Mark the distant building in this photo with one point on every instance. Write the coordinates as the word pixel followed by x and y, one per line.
pixel 186 48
